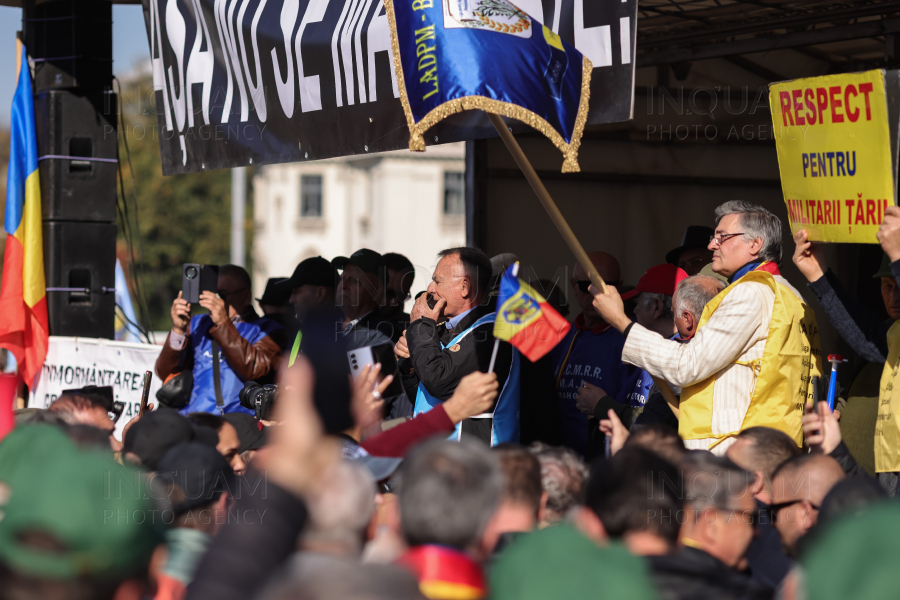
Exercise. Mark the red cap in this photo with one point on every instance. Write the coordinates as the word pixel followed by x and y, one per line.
pixel 661 279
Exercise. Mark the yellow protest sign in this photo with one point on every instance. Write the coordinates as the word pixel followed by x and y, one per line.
pixel 834 154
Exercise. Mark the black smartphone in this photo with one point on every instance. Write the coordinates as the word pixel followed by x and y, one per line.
pixel 429 299
pixel 196 279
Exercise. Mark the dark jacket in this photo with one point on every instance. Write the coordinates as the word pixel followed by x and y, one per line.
pixel 251 549
pixel 852 468
pixel 375 321
pixel 692 574
pixel 440 370
pixel 397 325
pixel 765 555
pixel 866 333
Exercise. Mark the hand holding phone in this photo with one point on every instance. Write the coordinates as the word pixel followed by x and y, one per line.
pixel 427 306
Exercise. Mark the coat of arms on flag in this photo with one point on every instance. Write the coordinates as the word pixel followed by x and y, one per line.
pixel 457 55
pixel 495 15
pixel 525 319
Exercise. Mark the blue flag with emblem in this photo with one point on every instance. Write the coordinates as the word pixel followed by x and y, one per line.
pixel 456 55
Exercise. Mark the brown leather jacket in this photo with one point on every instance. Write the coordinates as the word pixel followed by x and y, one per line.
pixel 246 360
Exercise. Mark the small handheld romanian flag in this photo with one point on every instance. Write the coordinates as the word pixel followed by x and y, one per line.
pixel 23 302
pixel 456 55
pixel 525 319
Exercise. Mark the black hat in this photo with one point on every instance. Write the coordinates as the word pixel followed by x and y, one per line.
pixel 274 296
pixel 200 471
pixel 249 433
pixel 695 236
pixel 157 431
pixel 885 269
pixel 367 260
pixel 312 271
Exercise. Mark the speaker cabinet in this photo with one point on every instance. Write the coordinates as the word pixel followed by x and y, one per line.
pixel 71 124
pixel 81 259
pixel 72 42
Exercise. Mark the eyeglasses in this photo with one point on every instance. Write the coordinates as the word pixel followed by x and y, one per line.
pixel 722 238
pixel 773 509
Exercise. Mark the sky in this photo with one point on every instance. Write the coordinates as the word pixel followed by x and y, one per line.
pixel 129 47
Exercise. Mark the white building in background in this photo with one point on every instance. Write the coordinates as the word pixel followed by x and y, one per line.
pixel 406 202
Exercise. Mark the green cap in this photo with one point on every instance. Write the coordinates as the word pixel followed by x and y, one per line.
pixel 97 513
pixel 857 557
pixel 559 562
pixel 885 269
pixel 707 270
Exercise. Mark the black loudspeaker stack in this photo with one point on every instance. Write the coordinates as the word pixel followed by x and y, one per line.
pixel 76 118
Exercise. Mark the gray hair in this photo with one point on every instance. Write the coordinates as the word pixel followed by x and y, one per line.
pixel 712 481
pixel 758 223
pixel 645 301
pixel 563 477
pixel 693 293
pixel 448 493
pixel 342 506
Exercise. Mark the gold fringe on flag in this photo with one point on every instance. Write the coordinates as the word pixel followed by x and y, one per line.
pixel 497 107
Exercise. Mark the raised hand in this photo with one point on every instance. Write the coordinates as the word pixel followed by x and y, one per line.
pixel 808 256
pixel 617 432
pixel 181 315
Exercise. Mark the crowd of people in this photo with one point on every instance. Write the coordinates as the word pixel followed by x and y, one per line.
pixel 671 445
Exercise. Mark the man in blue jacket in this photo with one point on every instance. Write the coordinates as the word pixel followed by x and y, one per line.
pixel 588 361
pixel 248 346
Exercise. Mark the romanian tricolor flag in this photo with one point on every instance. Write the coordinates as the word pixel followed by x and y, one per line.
pixel 445 573
pixel 23 302
pixel 525 319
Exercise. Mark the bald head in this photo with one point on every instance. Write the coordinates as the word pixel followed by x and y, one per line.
pixel 608 268
pixel 806 477
pixel 798 488
pixel 606 264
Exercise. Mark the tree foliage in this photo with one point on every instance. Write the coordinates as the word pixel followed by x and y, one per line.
pixel 182 218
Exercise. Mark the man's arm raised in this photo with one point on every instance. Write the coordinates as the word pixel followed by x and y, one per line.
pixel 866 333
pixel 732 329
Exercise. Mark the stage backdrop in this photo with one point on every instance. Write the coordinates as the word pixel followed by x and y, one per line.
pixel 251 82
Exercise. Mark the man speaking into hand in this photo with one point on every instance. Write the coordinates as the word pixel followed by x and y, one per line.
pixel 445 343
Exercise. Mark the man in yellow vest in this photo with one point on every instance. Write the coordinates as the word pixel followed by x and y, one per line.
pixel 756 348
pixel 875 340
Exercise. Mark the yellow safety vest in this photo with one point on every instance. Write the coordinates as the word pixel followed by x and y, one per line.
pixel 887 427
pixel 783 375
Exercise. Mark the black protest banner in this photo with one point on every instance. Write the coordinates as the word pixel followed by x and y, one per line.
pixel 252 82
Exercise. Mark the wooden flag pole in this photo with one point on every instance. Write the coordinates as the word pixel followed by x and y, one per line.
pixel 550 206
pixel 560 221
